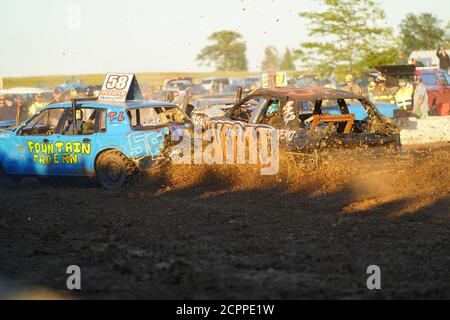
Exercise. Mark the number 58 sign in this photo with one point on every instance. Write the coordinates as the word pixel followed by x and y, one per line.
pixel 117 82
pixel 115 87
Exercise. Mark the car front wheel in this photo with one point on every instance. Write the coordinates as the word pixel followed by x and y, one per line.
pixel 114 169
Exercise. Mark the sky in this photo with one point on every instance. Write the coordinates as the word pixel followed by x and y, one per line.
pixel 69 37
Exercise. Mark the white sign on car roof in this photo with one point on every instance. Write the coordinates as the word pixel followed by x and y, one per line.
pixel 120 87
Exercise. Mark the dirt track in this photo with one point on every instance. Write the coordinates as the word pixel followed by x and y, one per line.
pixel 229 233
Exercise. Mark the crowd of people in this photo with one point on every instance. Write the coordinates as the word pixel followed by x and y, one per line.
pixel 19 107
pixel 409 97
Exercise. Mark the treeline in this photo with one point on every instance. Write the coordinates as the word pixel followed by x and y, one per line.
pixel 347 36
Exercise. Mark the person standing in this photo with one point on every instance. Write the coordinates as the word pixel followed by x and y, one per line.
pixel 351 86
pixel 380 93
pixel 444 59
pixel 2 102
pixel 7 110
pixel 403 97
pixel 57 95
pixel 421 107
pixel 36 106
pixel 20 108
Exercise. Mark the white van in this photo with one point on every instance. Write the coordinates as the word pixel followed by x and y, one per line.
pixel 427 57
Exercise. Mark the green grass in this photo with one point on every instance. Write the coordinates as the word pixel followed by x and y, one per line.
pixel 154 79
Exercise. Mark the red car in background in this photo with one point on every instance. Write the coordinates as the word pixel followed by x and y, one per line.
pixel 437 83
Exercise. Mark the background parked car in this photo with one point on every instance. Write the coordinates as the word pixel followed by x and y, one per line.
pixel 437 83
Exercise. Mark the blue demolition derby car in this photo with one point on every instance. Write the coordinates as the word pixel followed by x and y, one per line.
pixel 111 140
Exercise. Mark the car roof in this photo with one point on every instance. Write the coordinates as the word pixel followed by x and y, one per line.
pixel 305 94
pixel 124 105
pixel 213 101
pixel 427 70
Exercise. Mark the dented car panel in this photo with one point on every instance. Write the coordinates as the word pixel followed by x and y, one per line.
pixel 46 145
pixel 304 122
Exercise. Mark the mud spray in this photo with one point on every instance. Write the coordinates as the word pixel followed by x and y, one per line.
pixel 422 181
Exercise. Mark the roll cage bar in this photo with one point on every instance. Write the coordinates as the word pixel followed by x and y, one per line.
pixel 74 109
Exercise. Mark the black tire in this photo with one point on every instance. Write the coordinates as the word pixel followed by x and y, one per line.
pixel 114 169
pixel 433 110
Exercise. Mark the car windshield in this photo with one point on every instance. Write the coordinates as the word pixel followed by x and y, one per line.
pixel 244 111
pixel 445 78
pixel 147 118
pixel 43 123
pixel 429 79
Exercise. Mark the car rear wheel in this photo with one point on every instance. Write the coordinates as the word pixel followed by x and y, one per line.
pixel 114 169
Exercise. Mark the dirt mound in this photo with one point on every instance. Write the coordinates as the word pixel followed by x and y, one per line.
pixel 371 181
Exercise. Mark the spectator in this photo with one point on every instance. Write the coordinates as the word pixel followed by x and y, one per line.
pixel 372 84
pixel 36 106
pixel 21 108
pixel 89 93
pixel 73 93
pixel 7 110
pixel 176 97
pixel 403 97
pixel 421 107
pixel 380 93
pixel 351 86
pixel 173 97
pixel 149 95
pixel 9 103
pixel 2 101
pixel 444 59
pixel 57 95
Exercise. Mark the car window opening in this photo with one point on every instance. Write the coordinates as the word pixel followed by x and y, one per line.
pixel 150 117
pixel 60 121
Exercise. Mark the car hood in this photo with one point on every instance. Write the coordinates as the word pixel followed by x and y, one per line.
pixel 5 135
pixel 7 125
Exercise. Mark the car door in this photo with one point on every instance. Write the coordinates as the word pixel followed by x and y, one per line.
pixel 227 130
pixel 34 142
pixel 75 151
pixel 444 91
pixel 281 115
pixel 431 82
